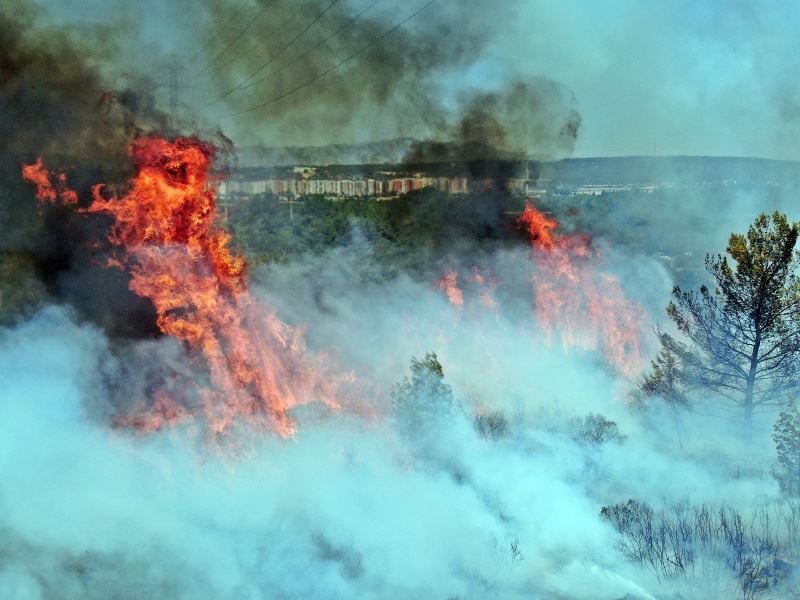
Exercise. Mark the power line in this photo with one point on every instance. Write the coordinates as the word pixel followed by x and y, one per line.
pixel 276 29
pixel 307 52
pixel 275 56
pixel 221 29
pixel 334 67
pixel 235 39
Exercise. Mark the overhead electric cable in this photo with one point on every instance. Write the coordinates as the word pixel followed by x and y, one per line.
pixel 221 29
pixel 309 50
pixel 235 39
pixel 276 55
pixel 275 29
pixel 334 67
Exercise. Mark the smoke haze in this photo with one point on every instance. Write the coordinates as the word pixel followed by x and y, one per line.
pixel 491 496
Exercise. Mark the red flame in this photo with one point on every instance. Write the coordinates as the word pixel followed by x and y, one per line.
pixel 181 261
pixel 448 283
pixel 486 295
pixel 46 191
pixel 588 309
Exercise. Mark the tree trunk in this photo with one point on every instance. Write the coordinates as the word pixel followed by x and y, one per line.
pixel 748 411
pixel 750 393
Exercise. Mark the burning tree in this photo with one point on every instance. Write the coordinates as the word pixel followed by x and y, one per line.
pixel 741 340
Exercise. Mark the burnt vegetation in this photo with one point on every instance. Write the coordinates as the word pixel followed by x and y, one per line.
pixel 692 542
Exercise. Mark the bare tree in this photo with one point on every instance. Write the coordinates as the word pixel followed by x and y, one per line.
pixel 595 430
pixel 685 541
pixel 517 556
pixel 491 425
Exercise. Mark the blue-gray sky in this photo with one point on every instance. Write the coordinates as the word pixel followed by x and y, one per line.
pixel 710 77
pixel 714 77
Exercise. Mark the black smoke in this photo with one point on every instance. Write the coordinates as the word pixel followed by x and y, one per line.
pixel 54 103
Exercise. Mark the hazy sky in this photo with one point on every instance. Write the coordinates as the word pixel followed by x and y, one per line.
pixel 704 77
pixel 688 77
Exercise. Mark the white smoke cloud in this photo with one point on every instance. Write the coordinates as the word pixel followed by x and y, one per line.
pixel 349 507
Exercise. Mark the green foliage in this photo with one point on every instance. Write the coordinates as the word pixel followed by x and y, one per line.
pixel 741 340
pixel 665 378
pixel 787 444
pixel 407 233
pixel 421 400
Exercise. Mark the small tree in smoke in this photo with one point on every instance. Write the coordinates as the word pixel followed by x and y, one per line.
pixel 517 555
pixel 741 340
pixel 421 400
pixel 491 425
pixel 595 430
pixel 787 444
pixel 665 379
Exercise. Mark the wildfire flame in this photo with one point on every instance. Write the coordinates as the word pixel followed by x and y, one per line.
pixel 181 261
pixel 486 295
pixel 572 299
pixel 448 283
pixel 46 190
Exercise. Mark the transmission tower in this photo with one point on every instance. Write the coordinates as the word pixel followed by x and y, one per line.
pixel 173 95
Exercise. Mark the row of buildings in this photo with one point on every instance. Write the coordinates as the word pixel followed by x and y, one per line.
pixel 366 186
pixel 605 188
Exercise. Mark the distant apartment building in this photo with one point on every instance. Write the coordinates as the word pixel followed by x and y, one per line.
pixel 360 187
pixel 598 189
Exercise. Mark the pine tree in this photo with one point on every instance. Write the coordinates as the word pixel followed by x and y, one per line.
pixel 740 340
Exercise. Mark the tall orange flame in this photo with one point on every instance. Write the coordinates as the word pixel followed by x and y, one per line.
pixel 584 307
pixel 181 261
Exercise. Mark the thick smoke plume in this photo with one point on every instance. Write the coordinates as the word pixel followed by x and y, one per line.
pixel 408 85
pixel 55 104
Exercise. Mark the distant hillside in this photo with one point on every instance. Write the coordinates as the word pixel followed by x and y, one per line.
pixel 573 171
pixel 670 169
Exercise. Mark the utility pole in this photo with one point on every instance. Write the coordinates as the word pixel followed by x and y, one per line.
pixel 174 82
pixel 291 202
pixel 173 94
pixel 171 91
pixel 527 168
pixel 224 204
